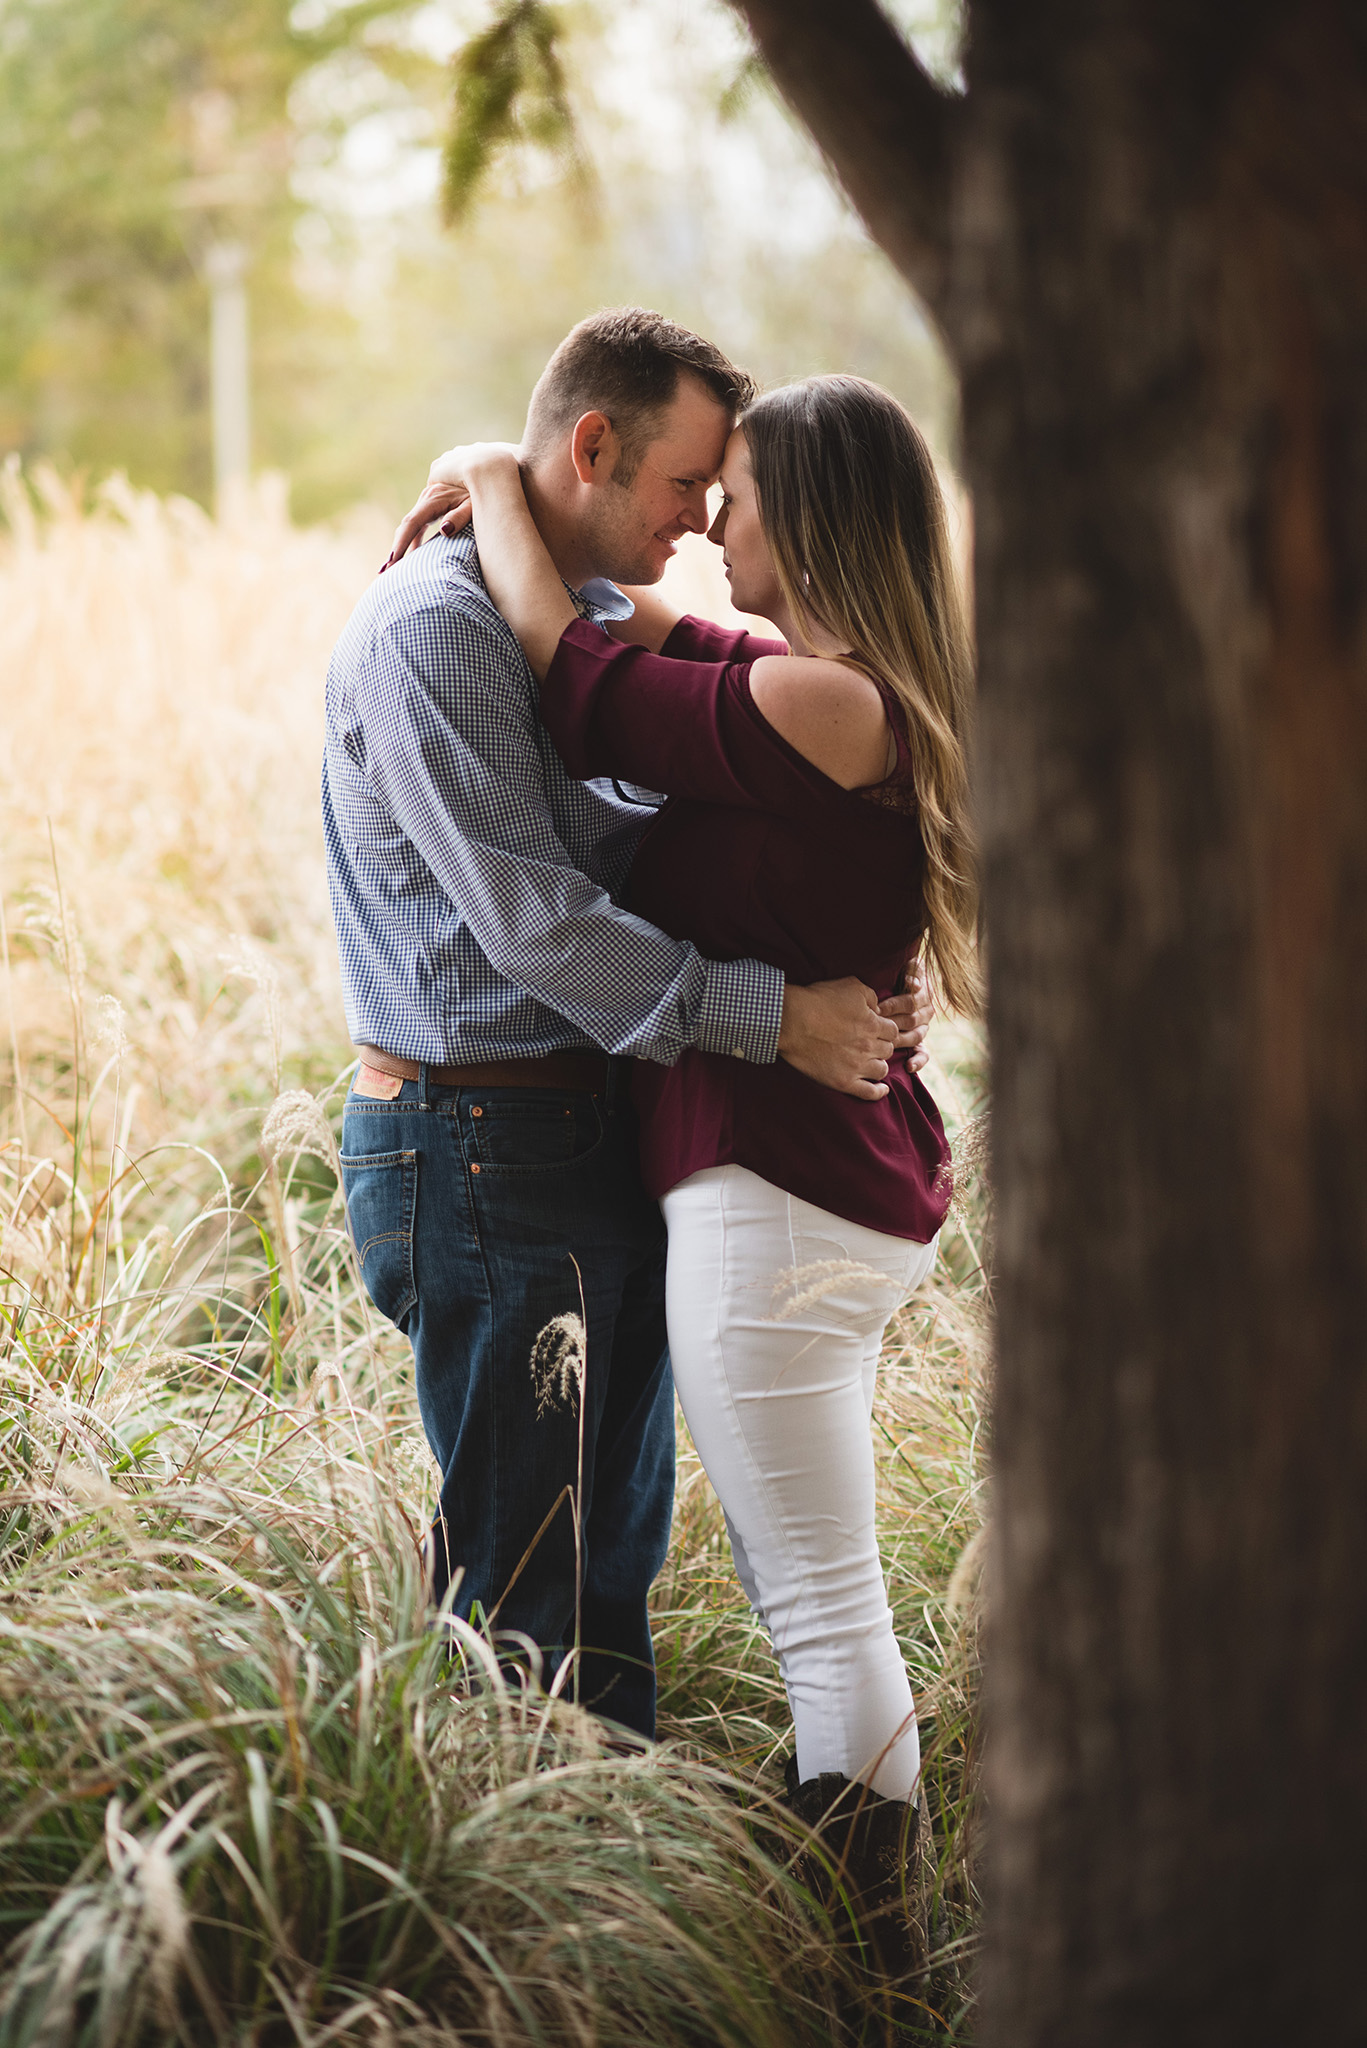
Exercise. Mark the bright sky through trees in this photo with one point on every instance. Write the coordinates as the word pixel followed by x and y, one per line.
pixel 377 335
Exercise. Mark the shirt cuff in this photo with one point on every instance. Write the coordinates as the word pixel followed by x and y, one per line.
pixel 742 1010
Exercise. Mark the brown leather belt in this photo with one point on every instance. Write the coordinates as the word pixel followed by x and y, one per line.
pixel 580 1072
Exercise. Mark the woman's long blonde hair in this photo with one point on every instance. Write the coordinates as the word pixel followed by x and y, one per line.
pixel 852 511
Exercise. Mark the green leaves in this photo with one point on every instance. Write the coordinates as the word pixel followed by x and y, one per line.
pixel 133 134
pixel 510 88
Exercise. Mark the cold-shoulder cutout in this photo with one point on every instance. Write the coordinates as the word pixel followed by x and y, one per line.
pixel 830 714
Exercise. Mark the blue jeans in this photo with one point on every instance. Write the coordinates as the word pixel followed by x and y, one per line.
pixel 469 1208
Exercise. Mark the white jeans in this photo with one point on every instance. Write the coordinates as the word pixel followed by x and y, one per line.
pixel 779 1407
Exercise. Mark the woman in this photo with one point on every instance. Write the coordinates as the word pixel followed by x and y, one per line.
pixel 817 818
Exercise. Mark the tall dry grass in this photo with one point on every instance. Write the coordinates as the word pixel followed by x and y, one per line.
pixel 244 1796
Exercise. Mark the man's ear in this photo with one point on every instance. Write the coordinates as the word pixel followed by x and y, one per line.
pixel 593 448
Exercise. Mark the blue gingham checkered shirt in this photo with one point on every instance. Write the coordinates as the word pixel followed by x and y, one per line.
pixel 474 884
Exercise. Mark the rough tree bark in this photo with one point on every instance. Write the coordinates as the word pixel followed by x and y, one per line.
pixel 1143 233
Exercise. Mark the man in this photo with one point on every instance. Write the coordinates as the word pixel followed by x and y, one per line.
pixel 496 990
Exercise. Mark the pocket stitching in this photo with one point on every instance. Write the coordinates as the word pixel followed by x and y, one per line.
pixel 407 1161
pixel 385 1237
pixel 496 1166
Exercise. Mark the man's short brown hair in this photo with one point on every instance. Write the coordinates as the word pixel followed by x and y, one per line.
pixel 626 363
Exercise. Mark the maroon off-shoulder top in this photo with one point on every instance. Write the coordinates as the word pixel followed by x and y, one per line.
pixel 758 854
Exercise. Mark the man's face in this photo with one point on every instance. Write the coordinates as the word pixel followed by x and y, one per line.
pixel 629 530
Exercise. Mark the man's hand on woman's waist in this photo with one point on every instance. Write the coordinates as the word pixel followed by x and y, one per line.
pixel 838 1033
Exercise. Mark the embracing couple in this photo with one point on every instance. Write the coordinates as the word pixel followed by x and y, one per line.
pixel 656 1055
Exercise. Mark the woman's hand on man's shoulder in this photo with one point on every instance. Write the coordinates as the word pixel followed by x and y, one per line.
pixel 445 499
pixel 830 713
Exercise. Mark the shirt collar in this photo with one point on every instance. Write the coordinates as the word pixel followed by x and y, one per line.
pixel 598 600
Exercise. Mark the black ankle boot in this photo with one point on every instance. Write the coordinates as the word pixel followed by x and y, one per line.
pixel 874 1888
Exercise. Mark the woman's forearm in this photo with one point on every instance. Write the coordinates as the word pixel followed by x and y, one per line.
pixel 518 572
pixel 652 622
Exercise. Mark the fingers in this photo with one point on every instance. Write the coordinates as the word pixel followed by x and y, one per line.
pixel 912 1012
pixel 438 501
pixel 407 532
pixel 835 1033
pixel 907 1009
pixel 883 1031
pixel 915 1005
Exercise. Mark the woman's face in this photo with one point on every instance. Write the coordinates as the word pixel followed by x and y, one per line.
pixel 738 533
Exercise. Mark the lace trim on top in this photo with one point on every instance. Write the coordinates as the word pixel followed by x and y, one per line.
pixel 896 792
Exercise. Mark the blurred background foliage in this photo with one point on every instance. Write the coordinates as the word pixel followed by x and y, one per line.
pixel 133 133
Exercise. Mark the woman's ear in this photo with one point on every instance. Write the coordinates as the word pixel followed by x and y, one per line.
pixel 593 447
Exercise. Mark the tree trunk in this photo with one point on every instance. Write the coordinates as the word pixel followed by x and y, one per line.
pixel 1154 279
pixel 1161 298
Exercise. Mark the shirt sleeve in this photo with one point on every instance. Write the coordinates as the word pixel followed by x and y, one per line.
pixel 451 747
pixel 690 728
pixel 692 639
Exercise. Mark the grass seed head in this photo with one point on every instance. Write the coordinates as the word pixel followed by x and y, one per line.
pixel 558 1363
pixel 801 1287
pixel 296 1122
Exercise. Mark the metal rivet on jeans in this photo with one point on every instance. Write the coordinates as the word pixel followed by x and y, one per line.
pixel 476 1111
pixel 474 1166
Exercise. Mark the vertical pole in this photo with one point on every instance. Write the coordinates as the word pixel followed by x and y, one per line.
pixel 224 267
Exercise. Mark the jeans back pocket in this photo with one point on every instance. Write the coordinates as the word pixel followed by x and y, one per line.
pixel 533 1127
pixel 381 1201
